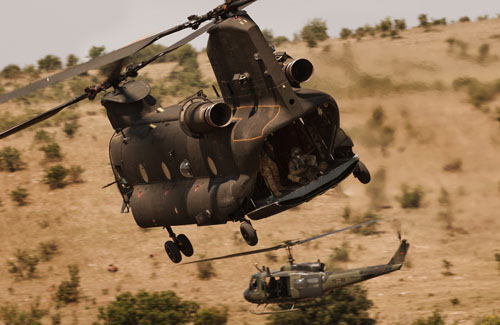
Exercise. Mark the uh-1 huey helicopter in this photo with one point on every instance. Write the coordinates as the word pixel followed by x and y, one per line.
pixel 294 284
pixel 199 161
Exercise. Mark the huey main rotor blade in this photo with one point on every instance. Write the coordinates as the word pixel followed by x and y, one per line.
pixel 284 244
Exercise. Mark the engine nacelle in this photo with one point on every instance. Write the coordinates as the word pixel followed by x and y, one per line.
pixel 298 71
pixel 199 116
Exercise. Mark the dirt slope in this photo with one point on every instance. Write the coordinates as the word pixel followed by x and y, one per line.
pixel 433 126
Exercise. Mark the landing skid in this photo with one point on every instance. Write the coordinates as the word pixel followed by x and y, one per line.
pixel 255 312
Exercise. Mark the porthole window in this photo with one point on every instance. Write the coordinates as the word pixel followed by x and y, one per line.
pixel 185 169
pixel 166 171
pixel 143 172
pixel 212 166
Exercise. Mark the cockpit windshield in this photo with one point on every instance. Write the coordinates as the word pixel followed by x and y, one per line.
pixel 254 283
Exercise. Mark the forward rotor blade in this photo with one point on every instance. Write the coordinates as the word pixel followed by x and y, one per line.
pixel 41 117
pixel 257 251
pixel 90 65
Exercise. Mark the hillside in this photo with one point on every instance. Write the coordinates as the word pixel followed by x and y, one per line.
pixel 439 142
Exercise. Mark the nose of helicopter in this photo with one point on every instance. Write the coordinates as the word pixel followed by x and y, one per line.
pixel 247 295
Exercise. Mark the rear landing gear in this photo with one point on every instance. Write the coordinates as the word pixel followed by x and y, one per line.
pixel 178 244
pixel 248 232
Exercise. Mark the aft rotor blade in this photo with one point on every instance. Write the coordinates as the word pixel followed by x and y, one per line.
pixel 41 117
pixel 257 251
pixel 333 232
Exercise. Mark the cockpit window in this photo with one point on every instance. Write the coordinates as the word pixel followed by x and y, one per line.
pixel 253 284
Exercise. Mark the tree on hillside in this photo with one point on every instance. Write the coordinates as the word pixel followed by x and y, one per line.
pixel 423 21
pixel 11 71
pixel 271 39
pixel 314 31
pixel 71 60
pixel 348 305
pixel 49 62
pixel 148 308
pixel 96 51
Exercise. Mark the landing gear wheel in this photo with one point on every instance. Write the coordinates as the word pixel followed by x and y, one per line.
pixel 185 245
pixel 362 173
pixel 173 251
pixel 249 234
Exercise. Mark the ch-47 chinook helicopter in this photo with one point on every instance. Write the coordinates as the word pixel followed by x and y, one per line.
pixel 294 284
pixel 198 162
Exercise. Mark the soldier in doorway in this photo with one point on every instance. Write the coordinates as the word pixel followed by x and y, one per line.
pixel 302 168
pixel 269 170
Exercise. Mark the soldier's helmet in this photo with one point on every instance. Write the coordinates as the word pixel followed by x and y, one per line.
pixel 295 151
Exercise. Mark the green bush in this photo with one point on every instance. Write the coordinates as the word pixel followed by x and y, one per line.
pixel 488 320
pixel 68 291
pixel 378 117
pixel 11 71
pixel 24 265
pixel 348 305
pixel 31 71
pixel 71 60
pixel 52 152
pixel 369 229
pixel 47 250
pixel 345 33
pixel 411 198
pixel 96 51
pixel 148 308
pixel 49 63
pixel 423 21
pixel 441 21
pixel 340 254
pixel 75 174
pixel 484 52
pixel 19 195
pixel 43 136
pixel 12 315
pixel 70 128
pixel 55 176
pixel 211 316
pixel 482 18
pixel 399 24
pixel 314 31
pixel 271 39
pixel 10 159
pixel 447 266
pixel 434 319
pixel 464 19
pixel 206 271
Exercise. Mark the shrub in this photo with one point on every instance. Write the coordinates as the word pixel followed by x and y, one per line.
pixel 43 136
pixel 441 21
pixel 277 41
pixel 52 151
pixel 49 63
pixel 68 291
pixel 314 31
pixel 206 271
pixel 386 137
pixel 385 25
pixel 12 315
pixel 400 24
pixel 71 60
pixel 47 250
pixel 271 257
pixel 376 189
pixel 31 71
pixel 411 198
pixel 369 229
pixel 483 17
pixel 340 254
pixel 488 320
pixel 148 308
pixel 434 319
pixel 447 266
pixel 19 195
pixel 75 174
pixel 211 316
pixel 348 305
pixel 345 33
pixel 455 301
pixel 70 128
pixel 484 51
pixel 96 51
pixel 11 71
pixel 464 19
pixel 10 159
pixel 422 20
pixel 55 176
pixel 378 117
pixel 24 265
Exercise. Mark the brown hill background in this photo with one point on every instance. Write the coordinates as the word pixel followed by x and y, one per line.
pixel 439 142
